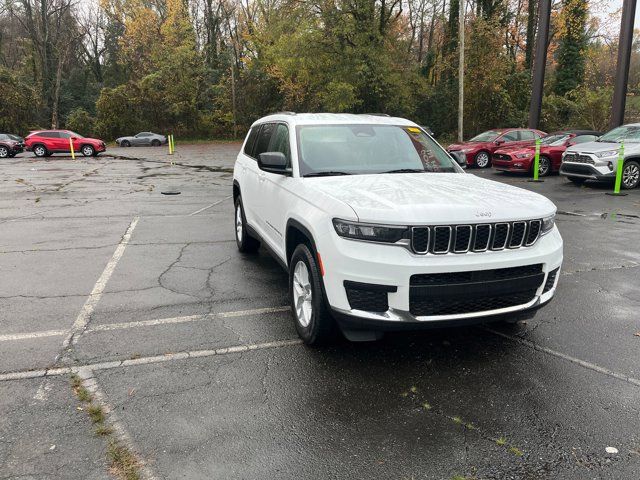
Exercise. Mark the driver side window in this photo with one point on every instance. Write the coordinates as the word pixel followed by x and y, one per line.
pixel 280 142
pixel 509 137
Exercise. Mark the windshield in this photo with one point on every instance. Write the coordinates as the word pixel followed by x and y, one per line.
pixel 368 149
pixel 74 134
pixel 554 140
pixel 5 137
pixel 488 136
pixel 628 134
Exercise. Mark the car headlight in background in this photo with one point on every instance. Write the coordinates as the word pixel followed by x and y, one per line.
pixel 548 223
pixel 370 232
pixel 608 153
pixel 523 155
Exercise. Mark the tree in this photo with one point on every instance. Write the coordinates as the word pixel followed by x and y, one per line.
pixel 572 47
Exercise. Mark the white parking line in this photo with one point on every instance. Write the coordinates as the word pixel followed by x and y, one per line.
pixel 87 309
pixel 145 323
pixel 185 319
pixel 90 383
pixel 209 206
pixel 27 336
pixel 569 358
pixel 169 357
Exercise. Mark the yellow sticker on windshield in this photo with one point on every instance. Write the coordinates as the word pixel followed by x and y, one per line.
pixel 413 130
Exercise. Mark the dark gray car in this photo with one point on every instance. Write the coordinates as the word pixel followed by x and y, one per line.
pixel 142 139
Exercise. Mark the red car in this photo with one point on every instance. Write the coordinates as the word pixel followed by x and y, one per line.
pixel 44 143
pixel 479 149
pixel 520 158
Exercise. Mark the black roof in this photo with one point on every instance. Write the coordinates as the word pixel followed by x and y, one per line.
pixel 577 131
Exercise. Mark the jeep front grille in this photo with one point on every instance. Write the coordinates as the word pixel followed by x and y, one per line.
pixel 441 239
pixel 575 158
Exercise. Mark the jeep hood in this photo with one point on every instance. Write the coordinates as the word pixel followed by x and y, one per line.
pixel 593 147
pixel 421 198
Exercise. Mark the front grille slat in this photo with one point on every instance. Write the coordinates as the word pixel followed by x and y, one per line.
pixel 442 239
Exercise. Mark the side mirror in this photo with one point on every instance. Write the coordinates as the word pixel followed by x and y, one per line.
pixel 74 138
pixel 274 162
pixel 499 142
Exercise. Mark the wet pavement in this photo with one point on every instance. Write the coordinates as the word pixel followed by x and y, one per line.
pixel 195 357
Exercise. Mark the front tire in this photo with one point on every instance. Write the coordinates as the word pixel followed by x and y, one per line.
pixel 482 159
pixel 40 151
pixel 313 321
pixel 88 150
pixel 544 168
pixel 630 175
pixel 4 152
pixel 125 143
pixel 245 242
pixel 155 143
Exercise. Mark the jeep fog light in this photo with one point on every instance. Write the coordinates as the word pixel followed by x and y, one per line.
pixel 610 165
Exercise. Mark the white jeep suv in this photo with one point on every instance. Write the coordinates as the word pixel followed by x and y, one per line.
pixel 379 228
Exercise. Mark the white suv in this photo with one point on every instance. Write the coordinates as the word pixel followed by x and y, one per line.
pixel 380 229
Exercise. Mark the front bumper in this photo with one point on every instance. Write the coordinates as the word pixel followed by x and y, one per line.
pixel 516 165
pixel 584 170
pixel 386 265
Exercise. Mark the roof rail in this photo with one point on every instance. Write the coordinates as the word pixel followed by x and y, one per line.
pixel 283 113
pixel 377 114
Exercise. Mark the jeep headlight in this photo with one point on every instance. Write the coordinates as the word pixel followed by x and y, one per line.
pixel 608 153
pixel 370 232
pixel 548 223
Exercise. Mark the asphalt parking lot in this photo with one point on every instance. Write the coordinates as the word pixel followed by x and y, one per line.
pixel 190 350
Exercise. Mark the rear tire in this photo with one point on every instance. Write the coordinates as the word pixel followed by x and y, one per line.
pixel 155 143
pixel 313 321
pixel 630 175
pixel 40 151
pixel 482 159
pixel 4 152
pixel 577 180
pixel 246 243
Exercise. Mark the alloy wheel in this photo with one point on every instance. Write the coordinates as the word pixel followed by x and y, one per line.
pixel 239 223
pixel 630 175
pixel 87 151
pixel 544 166
pixel 302 294
pixel 39 151
pixel 4 152
pixel 482 159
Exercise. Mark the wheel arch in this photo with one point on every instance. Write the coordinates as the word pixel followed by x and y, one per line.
pixel 236 191
pixel 295 234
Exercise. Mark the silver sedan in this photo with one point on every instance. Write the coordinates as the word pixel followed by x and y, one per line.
pixel 142 139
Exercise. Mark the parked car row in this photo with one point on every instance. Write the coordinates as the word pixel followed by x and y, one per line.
pixel 579 155
pixel 44 143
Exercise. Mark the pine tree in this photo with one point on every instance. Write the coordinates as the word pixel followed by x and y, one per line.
pixel 573 45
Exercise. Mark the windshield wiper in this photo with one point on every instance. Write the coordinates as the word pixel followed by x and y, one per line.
pixel 406 170
pixel 326 174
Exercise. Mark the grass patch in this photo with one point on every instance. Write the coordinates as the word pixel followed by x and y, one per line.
pixel 124 464
pixel 83 394
pixel 501 442
pixel 516 451
pixel 96 413
pixel 414 389
pixel 426 406
pixel 103 430
pixel 457 420
pixel 76 381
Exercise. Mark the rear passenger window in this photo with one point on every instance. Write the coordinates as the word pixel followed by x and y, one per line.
pixel 584 138
pixel 251 141
pixel 526 135
pixel 280 141
pixel 264 138
pixel 49 135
